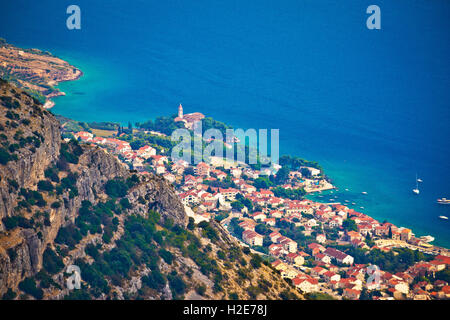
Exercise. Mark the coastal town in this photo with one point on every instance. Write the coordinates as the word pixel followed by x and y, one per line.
pixel 323 249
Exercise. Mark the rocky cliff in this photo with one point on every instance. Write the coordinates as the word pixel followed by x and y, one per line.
pixel 62 203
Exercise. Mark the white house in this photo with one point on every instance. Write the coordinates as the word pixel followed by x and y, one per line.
pixel 306 285
pixel 252 238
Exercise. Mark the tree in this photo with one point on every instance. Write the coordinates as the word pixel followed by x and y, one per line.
pixel 189 171
pixel 364 295
pixel 282 175
pixel 349 225
pixel 5 157
pixel 29 286
pixel 191 223
pixel 237 205
pixel 9 295
pixel 305 172
pixel 177 284
pixel 45 185
pixel 52 263
pixel 116 188
pixel 293 194
pixel 262 229
pixel 262 183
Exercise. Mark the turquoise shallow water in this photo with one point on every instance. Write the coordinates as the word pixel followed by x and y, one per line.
pixel 373 107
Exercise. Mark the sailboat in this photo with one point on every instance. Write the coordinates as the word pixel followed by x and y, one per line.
pixel 416 190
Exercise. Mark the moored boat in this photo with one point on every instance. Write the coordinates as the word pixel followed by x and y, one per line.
pixel 443 201
pixel 416 190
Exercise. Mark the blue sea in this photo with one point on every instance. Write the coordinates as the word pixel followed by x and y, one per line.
pixel 372 106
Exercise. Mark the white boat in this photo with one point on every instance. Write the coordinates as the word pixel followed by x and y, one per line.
pixel 443 201
pixel 443 217
pixel 419 180
pixel 346 189
pixel 427 238
pixel 416 190
pixel 364 192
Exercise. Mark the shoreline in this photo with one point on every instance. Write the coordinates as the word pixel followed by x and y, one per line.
pixel 49 103
pixel 36 70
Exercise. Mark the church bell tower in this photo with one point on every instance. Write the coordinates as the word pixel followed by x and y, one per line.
pixel 180 111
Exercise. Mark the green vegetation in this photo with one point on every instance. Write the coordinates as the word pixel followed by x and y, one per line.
pixel 318 296
pixel 9 295
pixel 104 125
pixel 388 261
pixel 210 123
pixel 72 125
pixel 78 295
pixel 165 125
pixel 52 174
pixel 91 218
pixel 233 296
pixel 201 290
pixel 166 255
pixel 350 225
pixel 5 156
pixel 294 162
pixel 45 185
pixel 69 235
pixel 177 284
pixel 71 151
pixel 282 175
pixel 118 187
pixel 31 198
pixel 262 183
pixel 45 280
pixel 17 221
pixel 154 280
pixel 140 139
pixel 242 202
pixel 208 230
pixel 256 261
pixel 69 184
pixel 29 286
pixel 235 228
pixel 9 102
pixel 52 263
pixel 443 275
pixel 293 194
pixel 287 295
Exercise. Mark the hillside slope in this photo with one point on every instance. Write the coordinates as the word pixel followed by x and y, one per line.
pixel 62 203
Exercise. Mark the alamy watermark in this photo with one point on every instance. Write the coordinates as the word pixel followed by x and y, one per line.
pixel 191 149
pixel 74 20
pixel 374 279
pixel 74 280
pixel 374 20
